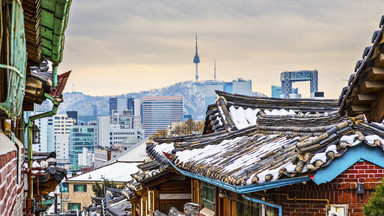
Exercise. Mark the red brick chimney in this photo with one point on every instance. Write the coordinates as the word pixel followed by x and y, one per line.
pixel 108 154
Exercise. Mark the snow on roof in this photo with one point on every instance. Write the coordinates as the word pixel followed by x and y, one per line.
pixel 117 172
pixel 245 118
pixel 167 147
pixel 227 157
pixel 135 153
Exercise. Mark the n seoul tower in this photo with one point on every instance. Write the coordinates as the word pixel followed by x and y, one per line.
pixel 196 60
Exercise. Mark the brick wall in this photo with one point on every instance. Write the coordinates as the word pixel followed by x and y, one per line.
pixel 342 190
pixel 10 191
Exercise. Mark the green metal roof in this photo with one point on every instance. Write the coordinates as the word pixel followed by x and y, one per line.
pixel 54 19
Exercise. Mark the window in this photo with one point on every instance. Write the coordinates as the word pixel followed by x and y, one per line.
pixel 208 196
pixel 64 187
pixel 74 206
pixel 80 188
pixel 247 208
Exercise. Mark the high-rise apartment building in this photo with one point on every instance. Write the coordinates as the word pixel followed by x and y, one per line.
pixel 62 148
pixel 63 125
pixel 161 111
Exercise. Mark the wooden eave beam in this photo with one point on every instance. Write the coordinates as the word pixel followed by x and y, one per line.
pixel 376 74
pixel 142 191
pixel 366 97
pixel 374 84
pixel 377 113
pixel 360 108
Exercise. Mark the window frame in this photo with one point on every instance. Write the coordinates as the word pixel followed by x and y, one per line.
pixel 75 189
pixel 206 191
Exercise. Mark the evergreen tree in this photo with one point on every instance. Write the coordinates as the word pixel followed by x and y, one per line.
pixel 99 189
pixel 375 206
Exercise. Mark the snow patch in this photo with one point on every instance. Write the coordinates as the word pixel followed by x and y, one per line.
pixel 319 156
pixel 348 138
pixel 166 147
pixel 370 139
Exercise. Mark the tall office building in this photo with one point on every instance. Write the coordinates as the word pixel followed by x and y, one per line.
pixel 137 107
pixel 87 113
pixel 119 104
pixel 209 90
pixel 112 105
pixel 122 104
pixel 238 86
pixel 161 111
pixel 122 127
pixel 73 115
pixel 81 136
pixel 131 104
pixel 276 92
pixel 242 86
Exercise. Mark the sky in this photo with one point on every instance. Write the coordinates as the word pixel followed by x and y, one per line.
pixel 122 46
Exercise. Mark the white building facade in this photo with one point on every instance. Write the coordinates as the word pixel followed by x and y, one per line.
pixel 62 127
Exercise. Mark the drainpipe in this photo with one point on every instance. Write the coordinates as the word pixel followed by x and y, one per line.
pixel 39 116
pixel 54 75
pixel 56 104
pixel 280 208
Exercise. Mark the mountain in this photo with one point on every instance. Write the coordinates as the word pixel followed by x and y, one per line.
pixel 193 93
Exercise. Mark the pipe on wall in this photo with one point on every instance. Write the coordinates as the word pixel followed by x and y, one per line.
pixel 303 199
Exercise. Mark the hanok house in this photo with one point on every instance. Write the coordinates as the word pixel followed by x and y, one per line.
pixel 271 156
pixel 157 187
pixel 77 190
pixel 31 31
pixel 364 93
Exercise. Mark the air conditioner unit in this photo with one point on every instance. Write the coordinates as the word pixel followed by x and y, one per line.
pixel 338 210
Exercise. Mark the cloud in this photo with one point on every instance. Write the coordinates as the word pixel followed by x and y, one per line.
pixel 135 40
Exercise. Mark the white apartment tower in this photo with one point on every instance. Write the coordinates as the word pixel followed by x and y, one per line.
pixel 62 125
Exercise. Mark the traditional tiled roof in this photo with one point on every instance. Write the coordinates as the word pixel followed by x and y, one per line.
pixel 118 172
pixel 363 94
pixel 277 148
pixel 147 171
pixel 147 166
pixel 50 175
pixel 45 24
pixel 234 112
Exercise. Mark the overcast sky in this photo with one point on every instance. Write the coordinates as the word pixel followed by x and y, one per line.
pixel 122 46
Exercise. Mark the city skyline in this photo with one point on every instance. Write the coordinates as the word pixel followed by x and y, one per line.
pixel 152 44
